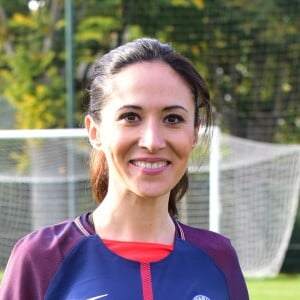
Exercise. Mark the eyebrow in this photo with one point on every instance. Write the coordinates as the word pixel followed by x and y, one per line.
pixel 167 108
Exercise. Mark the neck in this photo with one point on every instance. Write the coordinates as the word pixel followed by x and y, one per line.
pixel 134 219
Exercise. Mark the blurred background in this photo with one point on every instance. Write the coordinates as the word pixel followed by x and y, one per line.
pixel 249 54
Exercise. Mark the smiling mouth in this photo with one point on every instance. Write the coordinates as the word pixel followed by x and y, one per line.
pixel 149 165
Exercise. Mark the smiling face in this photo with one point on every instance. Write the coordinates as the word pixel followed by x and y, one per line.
pixel 147 130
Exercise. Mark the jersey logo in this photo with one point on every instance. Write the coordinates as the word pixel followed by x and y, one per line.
pixel 97 297
pixel 201 297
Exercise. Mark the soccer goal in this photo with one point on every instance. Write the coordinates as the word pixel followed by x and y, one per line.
pixel 43 180
pixel 259 191
pixel 248 191
pixel 243 189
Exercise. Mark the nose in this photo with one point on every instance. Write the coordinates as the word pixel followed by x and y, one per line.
pixel 152 137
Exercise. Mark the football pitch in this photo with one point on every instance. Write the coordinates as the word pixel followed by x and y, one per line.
pixel 285 287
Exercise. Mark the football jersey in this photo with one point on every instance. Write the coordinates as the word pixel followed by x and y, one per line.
pixel 70 261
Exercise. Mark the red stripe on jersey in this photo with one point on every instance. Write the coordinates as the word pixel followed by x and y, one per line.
pixel 146 281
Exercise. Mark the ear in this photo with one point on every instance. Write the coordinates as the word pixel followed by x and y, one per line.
pixel 196 134
pixel 93 132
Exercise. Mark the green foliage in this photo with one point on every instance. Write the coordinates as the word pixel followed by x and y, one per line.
pixel 93 34
pixel 30 71
pixel 35 88
pixel 258 78
pixel 247 51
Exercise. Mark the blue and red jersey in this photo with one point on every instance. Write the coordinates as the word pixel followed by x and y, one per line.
pixel 70 261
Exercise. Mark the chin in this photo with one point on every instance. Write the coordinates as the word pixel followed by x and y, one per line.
pixel 154 194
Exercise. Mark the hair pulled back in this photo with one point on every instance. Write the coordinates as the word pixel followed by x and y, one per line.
pixel 144 49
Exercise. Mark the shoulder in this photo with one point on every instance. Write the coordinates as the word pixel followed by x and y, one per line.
pixel 217 246
pixel 222 252
pixel 37 256
pixel 46 240
pixel 211 242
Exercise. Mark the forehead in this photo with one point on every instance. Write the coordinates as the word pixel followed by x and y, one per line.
pixel 154 78
pixel 140 71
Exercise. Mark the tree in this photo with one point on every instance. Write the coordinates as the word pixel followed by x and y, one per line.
pixel 31 73
pixel 32 48
pixel 255 67
pixel 247 51
pixel 32 70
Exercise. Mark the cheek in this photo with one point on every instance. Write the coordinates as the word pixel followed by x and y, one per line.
pixel 184 144
pixel 114 147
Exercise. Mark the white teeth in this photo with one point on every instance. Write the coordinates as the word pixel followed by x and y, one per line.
pixel 149 165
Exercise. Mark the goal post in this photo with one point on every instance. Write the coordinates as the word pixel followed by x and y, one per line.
pixel 43 180
pixel 250 191
pixel 259 188
pixel 214 180
pixel 243 189
pixel 51 163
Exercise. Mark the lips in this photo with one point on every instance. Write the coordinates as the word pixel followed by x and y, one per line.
pixel 149 165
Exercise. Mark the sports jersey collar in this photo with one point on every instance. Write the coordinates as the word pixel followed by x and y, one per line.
pixel 85 225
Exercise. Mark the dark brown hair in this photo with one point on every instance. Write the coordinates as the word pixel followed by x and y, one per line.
pixel 113 62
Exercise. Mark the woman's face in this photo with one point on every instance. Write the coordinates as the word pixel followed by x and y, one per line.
pixel 147 130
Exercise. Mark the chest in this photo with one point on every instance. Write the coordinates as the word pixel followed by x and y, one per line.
pixel 91 271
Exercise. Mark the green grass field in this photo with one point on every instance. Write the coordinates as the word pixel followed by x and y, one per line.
pixel 285 287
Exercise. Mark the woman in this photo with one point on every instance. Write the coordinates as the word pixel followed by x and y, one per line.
pixel 143 122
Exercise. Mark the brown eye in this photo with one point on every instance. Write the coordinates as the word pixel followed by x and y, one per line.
pixel 174 119
pixel 130 117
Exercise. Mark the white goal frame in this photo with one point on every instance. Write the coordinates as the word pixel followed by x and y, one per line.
pixel 215 167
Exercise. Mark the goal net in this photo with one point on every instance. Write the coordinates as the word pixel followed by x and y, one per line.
pixel 260 193
pixel 43 180
pixel 246 190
